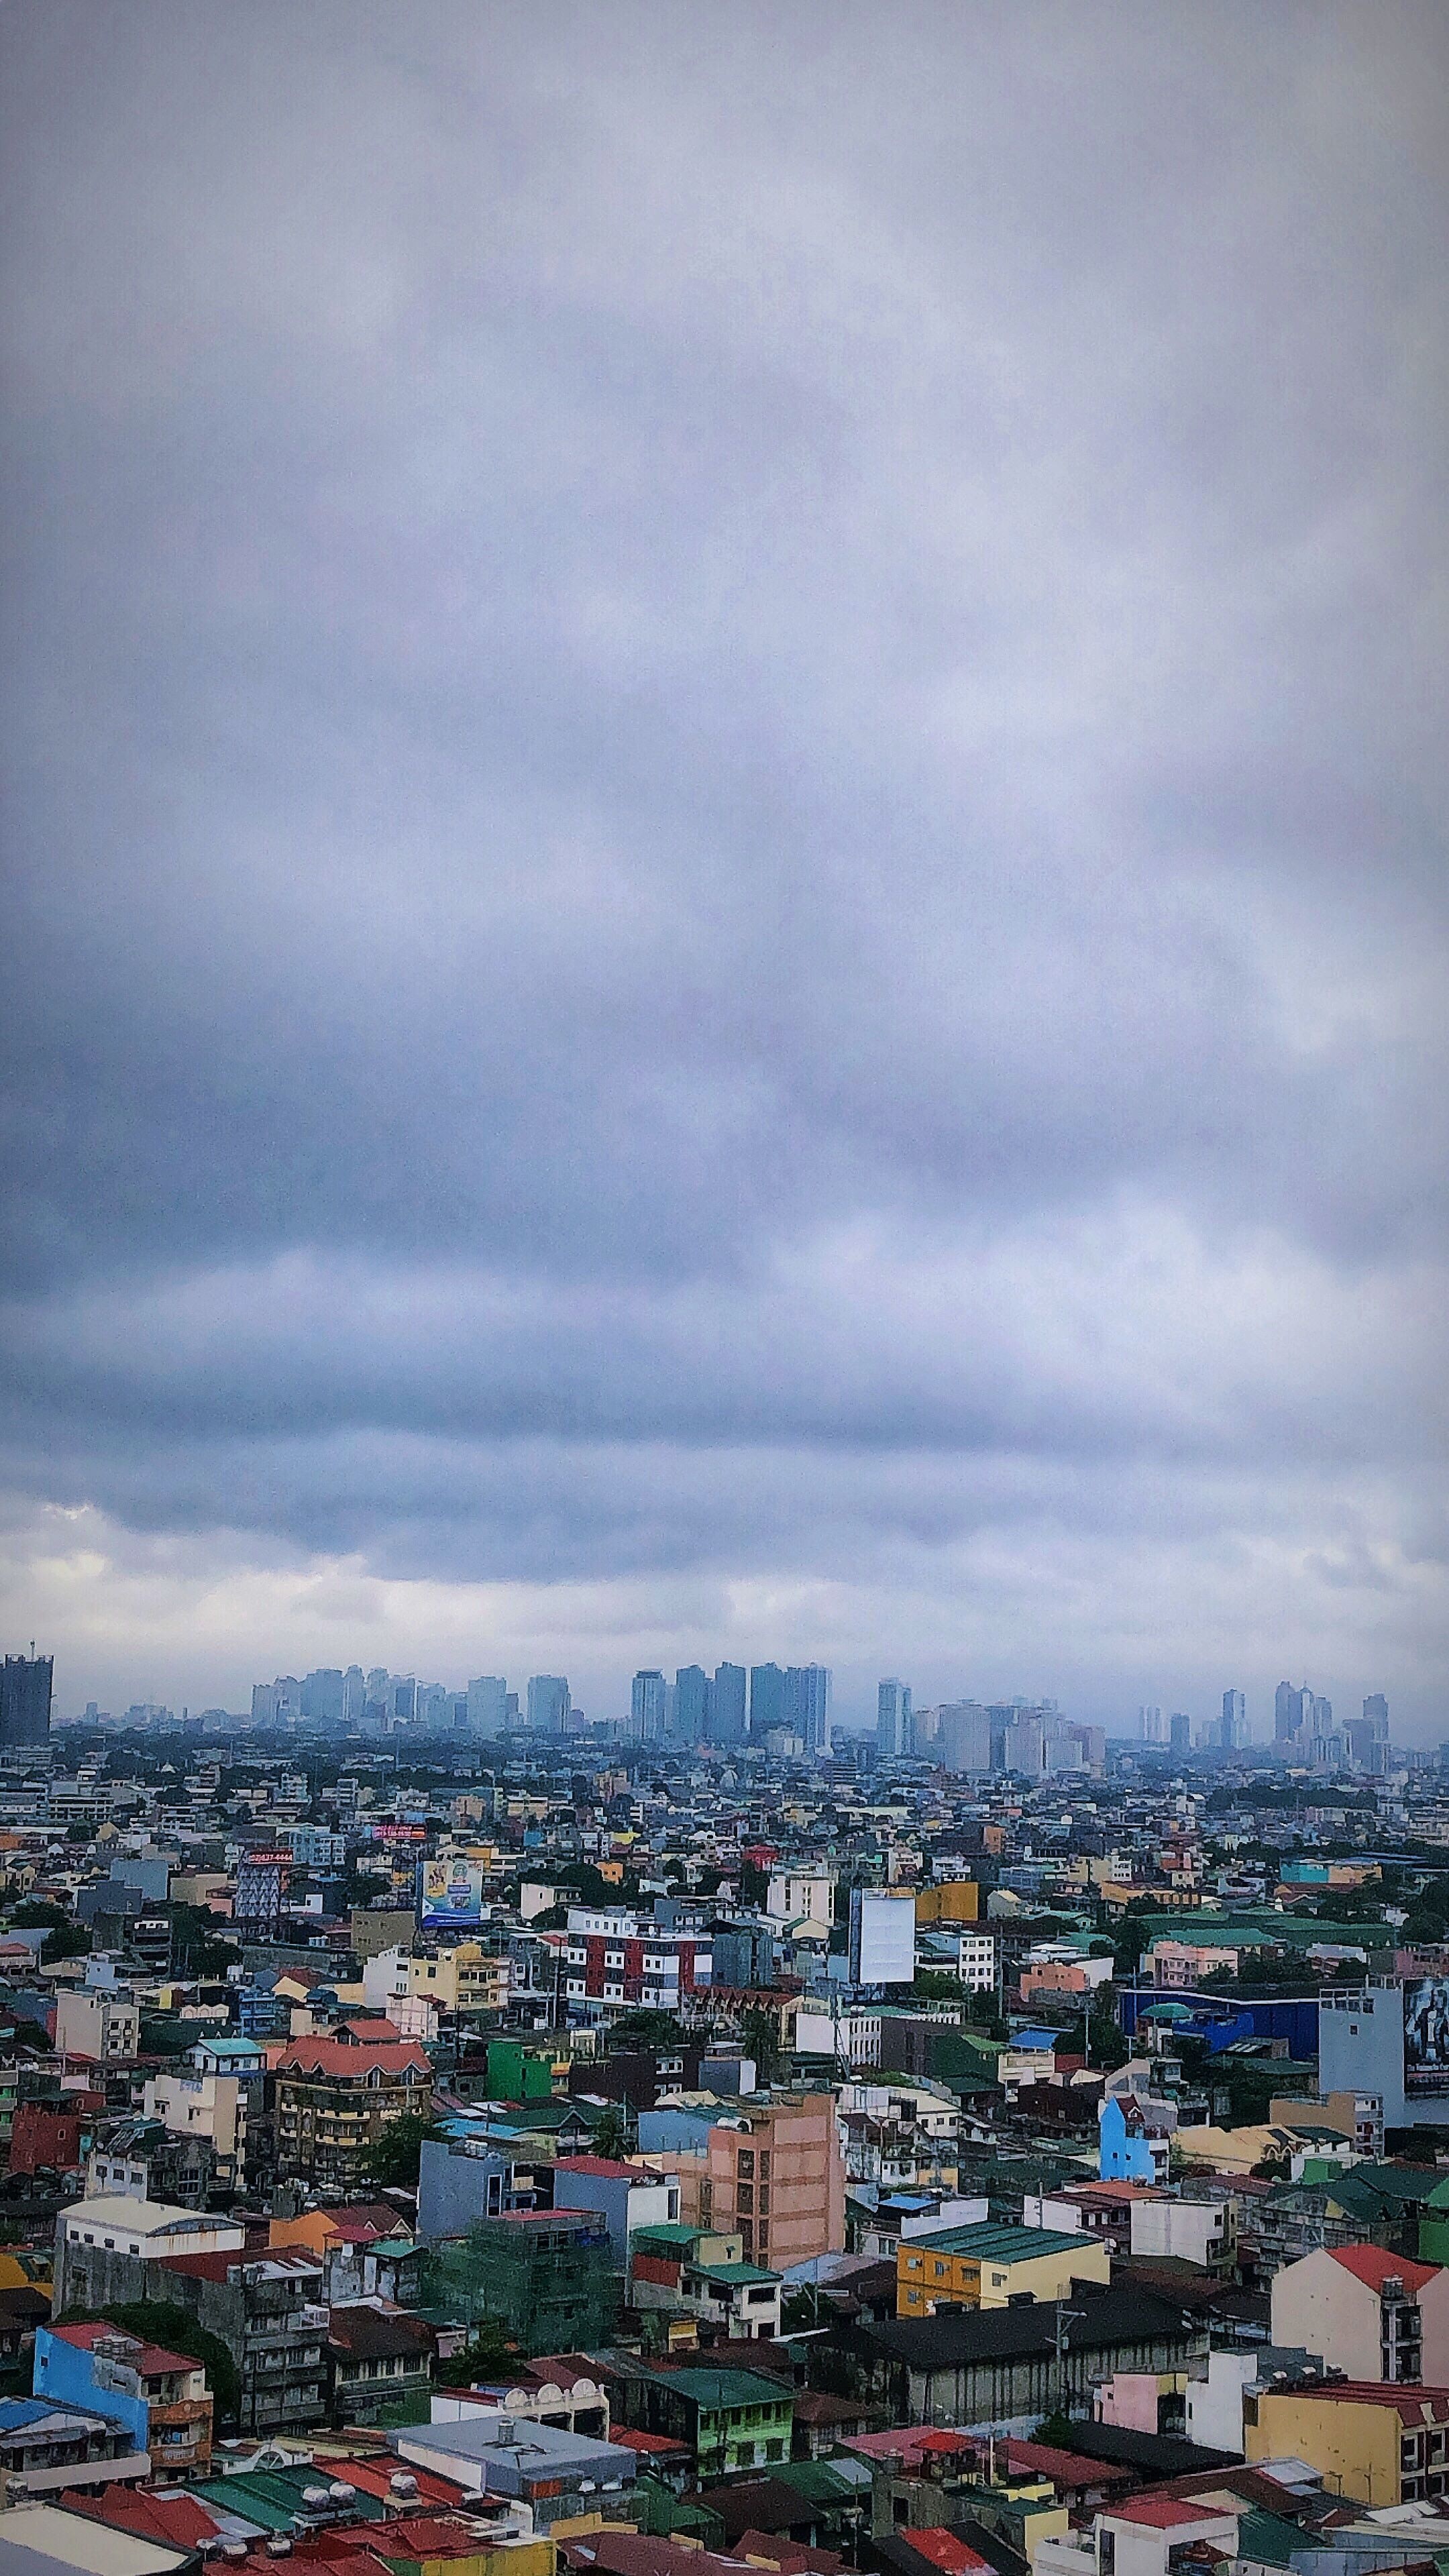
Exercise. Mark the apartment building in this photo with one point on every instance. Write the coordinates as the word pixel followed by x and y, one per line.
pixel 775 2175
pixel 335 2095
pixel 1356 2306
pixel 991 2267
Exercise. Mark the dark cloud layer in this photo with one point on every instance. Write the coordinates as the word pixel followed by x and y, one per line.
pixel 725 821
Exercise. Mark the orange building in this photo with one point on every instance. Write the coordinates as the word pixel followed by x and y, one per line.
pixel 775 2175
pixel 953 1900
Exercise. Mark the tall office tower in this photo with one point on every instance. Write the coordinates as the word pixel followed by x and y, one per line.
pixel 487 1705
pixel 893 1719
pixel 1235 1721
pixel 1290 1709
pixel 646 1708
pixel 264 1703
pixel 727 1719
pixel 26 1684
pixel 1376 1715
pixel 1025 1747
pixel 354 1694
pixel 691 1702
pixel 405 1700
pixel 963 1740
pixel 549 1704
pixel 1149 1721
pixel 322 1695
pixel 1319 1712
pixel 767 1698
pixel 378 1682
pixel 807 1705
pixel 1180 1731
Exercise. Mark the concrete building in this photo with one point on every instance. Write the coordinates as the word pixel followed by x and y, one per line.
pixel 1201 2232
pixel 1378 2445
pixel 991 2267
pixel 90 2232
pixel 207 2106
pixel 626 2196
pixel 96 2024
pixel 801 1896
pixel 893 1720
pixel 47 2448
pixel 1357 2308
pixel 571 2484
pixel 727 1715
pixel 26 1685
pixel 161 2397
pixel 617 1960
pixel 775 2174
pixel 334 2096
pixel 547 2275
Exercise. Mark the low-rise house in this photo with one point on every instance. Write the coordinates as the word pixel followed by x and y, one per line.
pixel 702 2273
pixel 1099 2209
pixel 1201 2232
pixel 731 2419
pixel 1011 2366
pixel 162 2397
pixel 1132 2144
pixel 1152 2535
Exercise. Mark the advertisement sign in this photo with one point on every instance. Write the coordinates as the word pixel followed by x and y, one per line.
pixel 1426 2035
pixel 450 1894
pixel 397 1837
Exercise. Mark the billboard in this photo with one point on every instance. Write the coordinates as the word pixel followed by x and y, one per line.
pixel 450 1894
pixel 1426 2035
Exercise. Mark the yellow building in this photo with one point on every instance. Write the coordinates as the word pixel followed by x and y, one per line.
pixel 465 1979
pixel 1378 2445
pixel 988 2267
pixel 954 1900
pixel 1233 2151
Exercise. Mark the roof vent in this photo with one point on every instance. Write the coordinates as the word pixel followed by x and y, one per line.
pixel 314 2496
pixel 340 2492
pixel 402 2482
pixel 279 2546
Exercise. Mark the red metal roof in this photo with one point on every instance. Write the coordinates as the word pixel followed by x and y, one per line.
pixel 1163 2513
pixel 943 2548
pixel 1371 2265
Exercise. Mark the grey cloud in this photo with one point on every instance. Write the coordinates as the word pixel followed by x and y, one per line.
pixel 642 647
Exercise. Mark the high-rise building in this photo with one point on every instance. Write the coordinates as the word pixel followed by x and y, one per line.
pixel 1292 1709
pixel 1180 1731
pixel 487 1705
pixel 726 1718
pixel 646 1708
pixel 26 1685
pixel 1235 1721
pixel 1025 1747
pixel 807 1705
pixel 963 1741
pixel 354 1694
pixel 322 1695
pixel 893 1719
pixel 691 1702
pixel 767 1698
pixel 1376 1715
pixel 1150 1726
pixel 549 1704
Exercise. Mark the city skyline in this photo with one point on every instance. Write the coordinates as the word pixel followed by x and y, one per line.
pixel 725 926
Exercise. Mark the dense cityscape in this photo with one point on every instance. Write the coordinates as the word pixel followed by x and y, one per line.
pixel 447 2132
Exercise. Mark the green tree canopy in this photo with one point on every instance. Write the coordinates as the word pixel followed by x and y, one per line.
pixel 393 2158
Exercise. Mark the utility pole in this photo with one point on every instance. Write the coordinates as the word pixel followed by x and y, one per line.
pixel 1063 2317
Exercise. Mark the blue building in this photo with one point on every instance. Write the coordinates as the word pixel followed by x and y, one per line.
pixel 1127 2151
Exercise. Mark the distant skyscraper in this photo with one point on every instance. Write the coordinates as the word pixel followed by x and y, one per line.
pixel 1292 1710
pixel 322 1695
pixel 1180 1731
pixel 1235 1721
pixel 691 1701
pixel 354 1694
pixel 767 1698
pixel 807 1705
pixel 26 1683
pixel 646 1708
pixel 893 1719
pixel 1376 1715
pixel 727 1721
pixel 487 1705
pixel 548 1704
pixel 963 1739
pixel 1149 1721
pixel 1025 1745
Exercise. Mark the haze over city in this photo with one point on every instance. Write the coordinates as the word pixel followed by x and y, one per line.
pixel 726 900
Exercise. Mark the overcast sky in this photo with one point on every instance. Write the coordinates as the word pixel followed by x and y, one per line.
pixel 725 753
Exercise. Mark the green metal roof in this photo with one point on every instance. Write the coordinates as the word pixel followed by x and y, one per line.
pixel 738 2275
pixel 992 2244
pixel 714 2390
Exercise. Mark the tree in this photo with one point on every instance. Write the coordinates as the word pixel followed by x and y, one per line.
pixel 645 2027
pixel 611 2132
pixel 754 1883
pixel 760 2037
pixel 487 2354
pixel 936 1986
pixel 393 2158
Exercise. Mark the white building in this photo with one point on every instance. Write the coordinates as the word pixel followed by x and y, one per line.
pixel 882 1937
pixel 99 2026
pixel 801 1896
